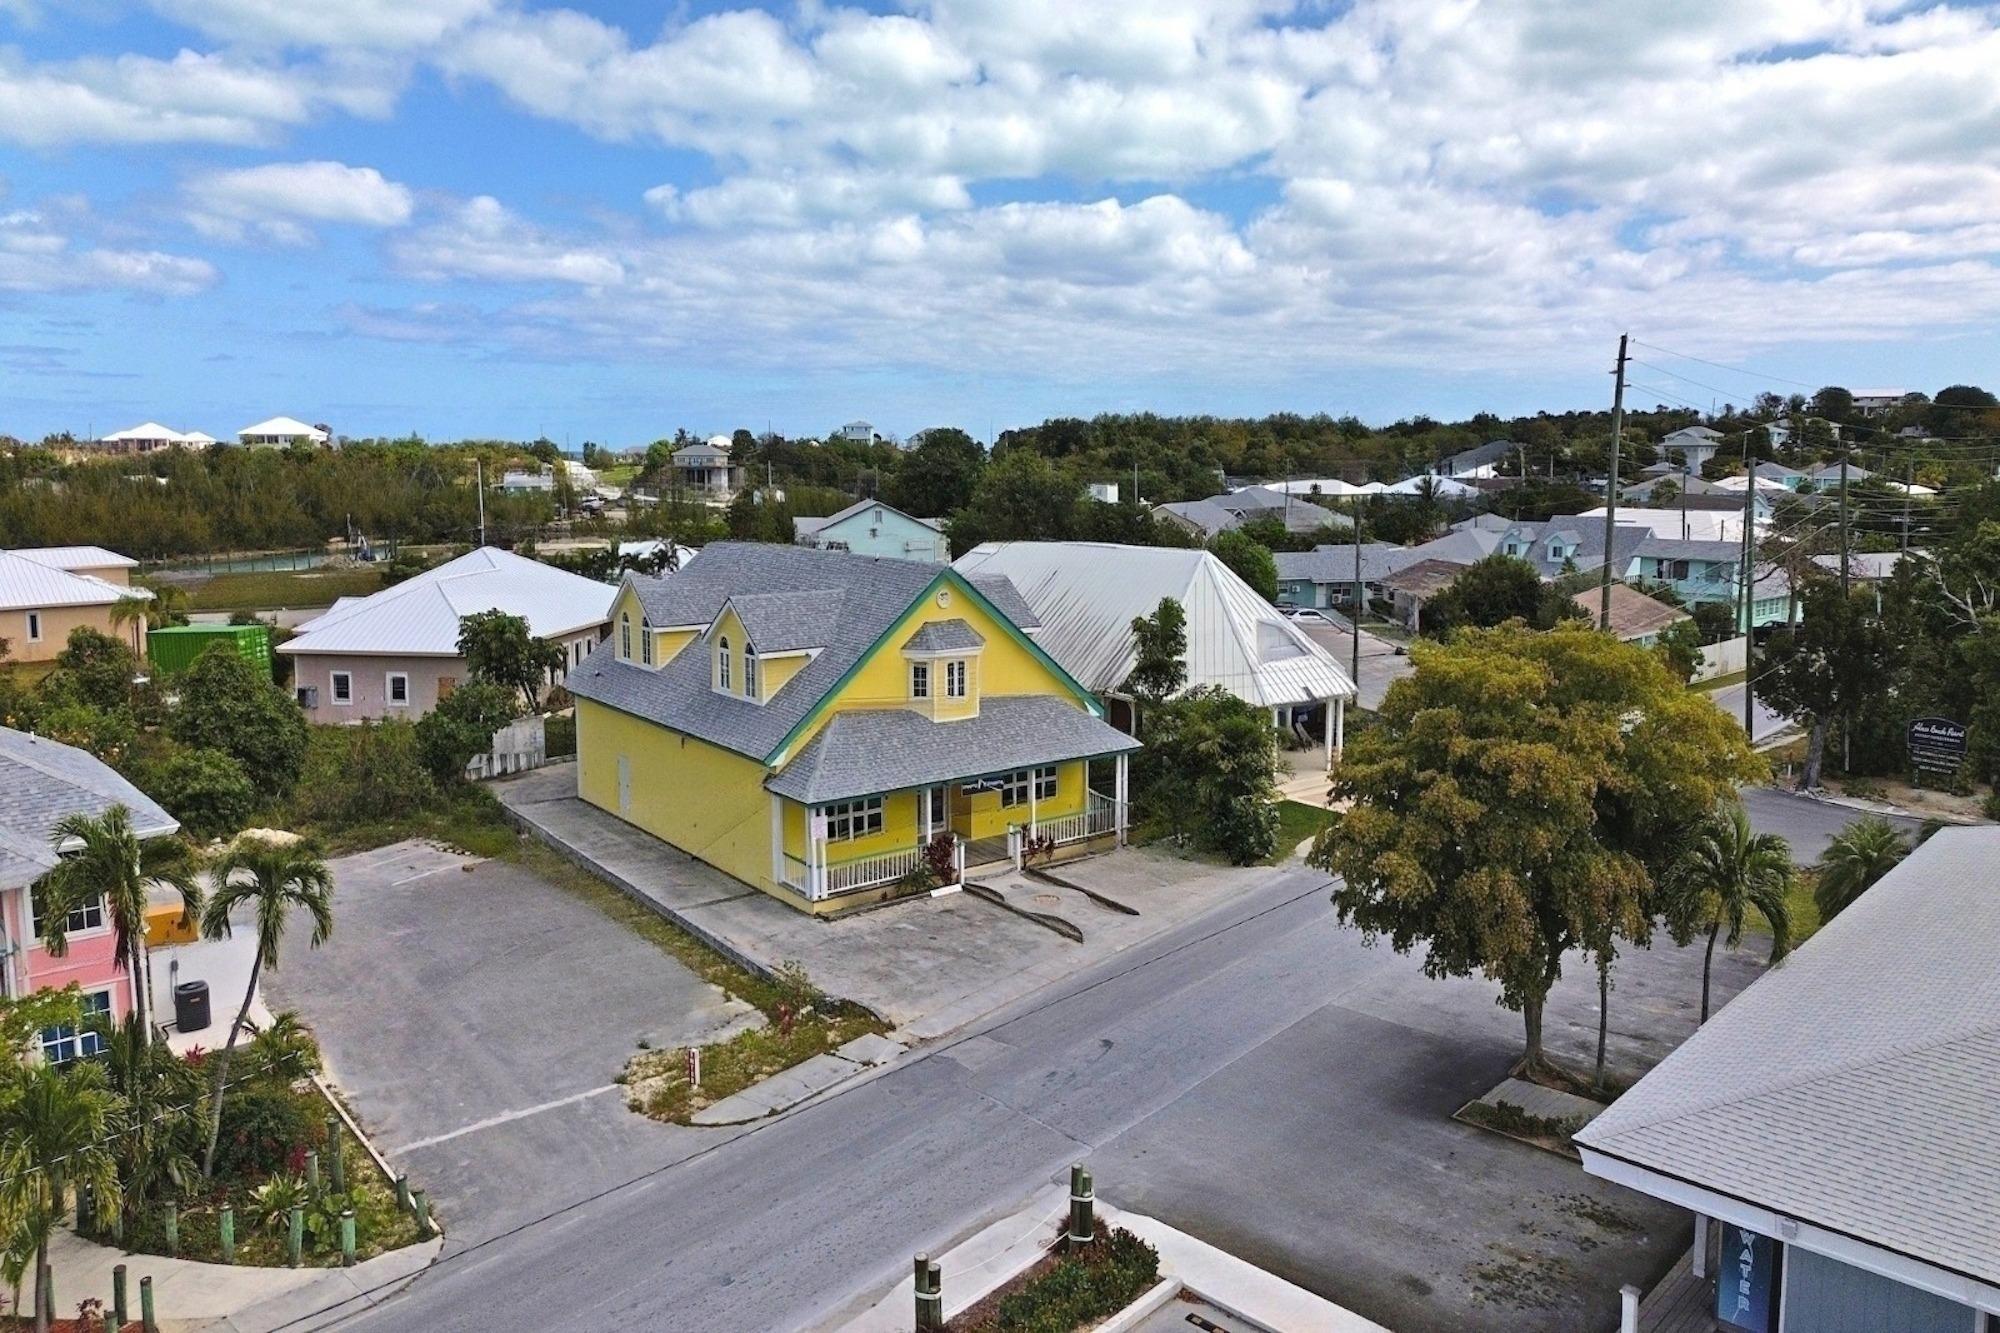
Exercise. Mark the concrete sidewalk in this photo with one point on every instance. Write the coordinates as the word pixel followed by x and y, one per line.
pixel 235 1299
pixel 927 965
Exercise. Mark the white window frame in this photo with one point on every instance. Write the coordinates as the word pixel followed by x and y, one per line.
pixel 749 673
pixel 848 820
pixel 77 930
pixel 955 679
pixel 339 683
pixel 1046 779
pixel 1014 789
pixel 624 636
pixel 722 664
pixel 645 644
pixel 34 627
pixel 389 679
pixel 920 680
pixel 80 1042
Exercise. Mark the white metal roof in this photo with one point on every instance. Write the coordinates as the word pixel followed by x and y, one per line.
pixel 151 430
pixel 198 437
pixel 1856 1086
pixel 284 426
pixel 28 584
pixel 75 557
pixel 1088 593
pixel 419 618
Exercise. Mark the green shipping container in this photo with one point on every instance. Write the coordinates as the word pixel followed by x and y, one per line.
pixel 173 649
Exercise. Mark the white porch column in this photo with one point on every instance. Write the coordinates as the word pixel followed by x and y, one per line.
pixel 1628 1309
pixel 924 796
pixel 1120 787
pixel 1033 832
pixel 1339 729
pixel 777 838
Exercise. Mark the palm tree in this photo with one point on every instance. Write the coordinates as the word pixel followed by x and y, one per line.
pixel 1859 854
pixel 55 1124
pixel 111 862
pixel 275 877
pixel 1728 870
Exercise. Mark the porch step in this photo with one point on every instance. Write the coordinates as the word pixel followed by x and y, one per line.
pixel 1068 912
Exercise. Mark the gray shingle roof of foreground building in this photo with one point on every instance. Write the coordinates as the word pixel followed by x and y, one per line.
pixel 1855 1086
pixel 865 753
pixel 872 594
pixel 41 781
pixel 944 636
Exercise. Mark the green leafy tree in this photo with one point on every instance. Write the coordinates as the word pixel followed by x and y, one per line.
pixel 95 669
pixel 206 790
pixel 1493 591
pixel 1828 667
pixel 1250 560
pixel 1209 773
pixel 1159 642
pixel 937 473
pixel 55 1125
pixel 500 648
pixel 364 774
pixel 1519 798
pixel 103 856
pixel 1858 856
pixel 1729 871
pixel 1021 496
pixel 273 878
pixel 1715 620
pixel 462 726
pixel 228 704
pixel 1679 646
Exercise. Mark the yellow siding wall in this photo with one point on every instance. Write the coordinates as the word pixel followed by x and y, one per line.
pixel 944 708
pixel 777 672
pixel 667 643
pixel 702 799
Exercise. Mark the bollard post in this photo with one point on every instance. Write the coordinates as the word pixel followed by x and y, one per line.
pixel 295 1235
pixel 336 1161
pixel 119 1307
pixel 1082 1210
pixel 312 1171
pixel 173 1219
pixel 109 1326
pixel 1628 1309
pixel 225 1227
pixel 118 1226
pixel 49 1293
pixel 347 1238
pixel 930 1294
pixel 146 1316
pixel 420 1208
pixel 403 1193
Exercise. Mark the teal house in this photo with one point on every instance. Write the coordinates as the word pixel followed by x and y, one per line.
pixel 870 527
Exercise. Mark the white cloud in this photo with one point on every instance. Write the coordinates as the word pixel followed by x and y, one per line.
pixel 278 199
pixel 379 24
pixel 483 240
pixel 38 254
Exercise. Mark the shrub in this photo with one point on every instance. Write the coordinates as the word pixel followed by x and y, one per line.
pixel 461 726
pixel 227 704
pixel 266 1129
pixel 206 790
pixel 1082 1288
pixel 559 734
pixel 356 775
pixel 1990 807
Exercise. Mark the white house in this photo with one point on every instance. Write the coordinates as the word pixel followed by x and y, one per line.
pixel 856 432
pixel 143 439
pixel 1691 446
pixel 1874 402
pixel 280 433
pixel 1104 492
pixel 1085 596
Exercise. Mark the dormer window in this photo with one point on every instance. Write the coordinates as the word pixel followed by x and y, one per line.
pixel 625 636
pixel 954 678
pixel 920 680
pixel 749 673
pixel 722 664
pixel 645 643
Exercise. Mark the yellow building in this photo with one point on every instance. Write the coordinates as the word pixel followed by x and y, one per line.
pixel 835 728
pixel 47 591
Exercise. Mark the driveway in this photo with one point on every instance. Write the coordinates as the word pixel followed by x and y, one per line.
pixel 474 1016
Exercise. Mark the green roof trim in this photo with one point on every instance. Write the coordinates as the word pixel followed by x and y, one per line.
pixel 951 578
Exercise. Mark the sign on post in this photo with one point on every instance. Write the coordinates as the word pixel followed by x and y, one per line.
pixel 1746 1282
pixel 1937 744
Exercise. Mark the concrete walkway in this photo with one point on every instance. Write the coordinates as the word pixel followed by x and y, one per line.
pixel 927 965
pixel 802 1082
pixel 190 1295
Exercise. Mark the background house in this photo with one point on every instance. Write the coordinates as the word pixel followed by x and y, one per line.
pixel 1691 446
pixel 395 653
pixel 1086 594
pixel 1835 1126
pixel 705 468
pixel 1414 584
pixel 45 592
pixel 41 782
pixel 1480 461
pixel 142 439
pixel 282 433
pixel 1635 617
pixel 870 527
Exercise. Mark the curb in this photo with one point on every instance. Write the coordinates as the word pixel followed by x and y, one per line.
pixel 1062 926
pixel 1132 1315
pixel 1102 900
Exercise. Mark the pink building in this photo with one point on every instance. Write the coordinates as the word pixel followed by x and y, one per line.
pixel 41 781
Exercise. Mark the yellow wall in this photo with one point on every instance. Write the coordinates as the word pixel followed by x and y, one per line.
pixel 667 643
pixel 57 622
pixel 706 801
pixel 777 672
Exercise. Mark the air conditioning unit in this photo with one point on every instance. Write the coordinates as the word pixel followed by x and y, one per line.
pixel 308 696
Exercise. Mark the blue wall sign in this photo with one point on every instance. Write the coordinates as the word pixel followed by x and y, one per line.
pixel 1746 1281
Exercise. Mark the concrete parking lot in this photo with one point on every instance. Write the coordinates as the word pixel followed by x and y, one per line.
pixel 475 1015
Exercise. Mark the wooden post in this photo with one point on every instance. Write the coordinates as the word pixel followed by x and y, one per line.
pixel 312 1171
pixel 420 1207
pixel 929 1294
pixel 403 1193
pixel 336 1159
pixel 295 1236
pixel 225 1228
pixel 118 1291
pixel 1082 1210
pixel 173 1220
pixel 147 1318
pixel 347 1237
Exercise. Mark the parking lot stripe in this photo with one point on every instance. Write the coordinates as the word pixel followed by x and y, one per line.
pixel 503 1118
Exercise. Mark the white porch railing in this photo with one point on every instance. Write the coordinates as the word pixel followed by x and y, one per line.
pixel 864 872
pixel 1097 819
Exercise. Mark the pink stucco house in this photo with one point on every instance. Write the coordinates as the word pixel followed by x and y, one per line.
pixel 395 653
pixel 41 781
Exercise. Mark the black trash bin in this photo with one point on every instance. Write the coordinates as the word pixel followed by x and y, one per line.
pixel 191 1006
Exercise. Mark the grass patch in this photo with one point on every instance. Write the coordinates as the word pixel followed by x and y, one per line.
pixel 621 475
pixel 1799 901
pixel 1297 821
pixel 1549 1132
pixel 468 819
pixel 25 675
pixel 1067 1291
pixel 1719 682
pixel 264 590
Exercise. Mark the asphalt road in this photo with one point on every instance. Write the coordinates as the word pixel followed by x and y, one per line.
pixel 1766 723
pixel 1259 1077
pixel 1808 825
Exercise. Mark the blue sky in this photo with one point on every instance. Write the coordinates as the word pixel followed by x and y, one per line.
pixel 474 217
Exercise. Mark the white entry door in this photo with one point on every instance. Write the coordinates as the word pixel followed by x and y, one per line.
pixel 624 785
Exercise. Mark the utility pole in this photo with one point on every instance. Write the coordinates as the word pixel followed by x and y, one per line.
pixel 1360 600
pixel 1749 589
pixel 1909 481
pixel 479 480
pixel 1611 488
pixel 1845 577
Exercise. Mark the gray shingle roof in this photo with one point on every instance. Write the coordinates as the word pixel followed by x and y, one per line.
pixel 1207 515
pixel 782 622
pixel 873 594
pixel 1673 548
pixel 865 753
pixel 944 636
pixel 1857 1085
pixel 43 780
pixel 1000 590
pixel 1335 563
